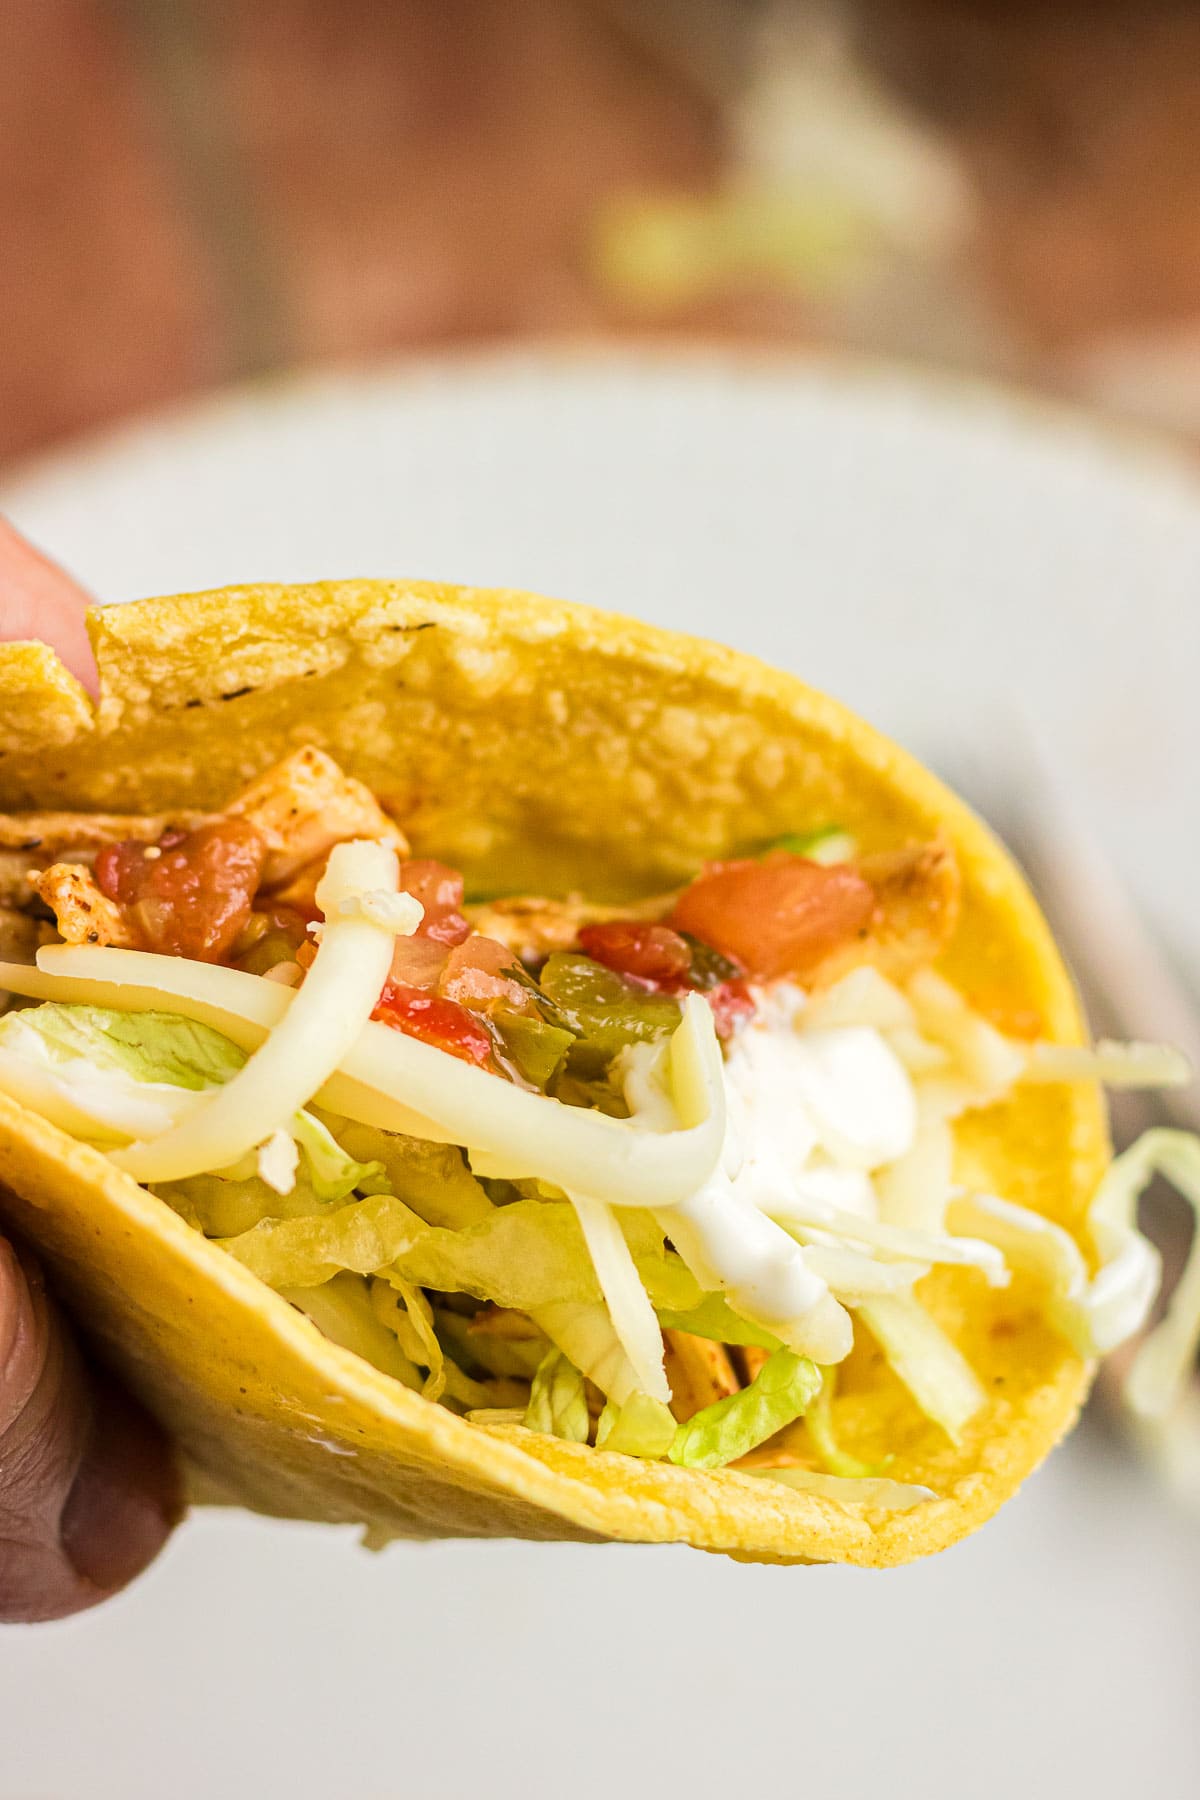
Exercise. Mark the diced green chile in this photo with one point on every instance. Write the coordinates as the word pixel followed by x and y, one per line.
pixel 608 1012
pixel 535 1047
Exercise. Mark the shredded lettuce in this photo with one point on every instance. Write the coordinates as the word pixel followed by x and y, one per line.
pixel 431 1178
pixel 223 1208
pixel 149 1046
pixel 332 1173
pixel 827 844
pixel 932 1368
pixel 412 1321
pixel 341 1308
pixel 495 1355
pixel 1168 1355
pixel 557 1400
pixel 878 1493
pixel 822 1435
pixel 713 1317
pixel 639 1427
pixel 729 1428
pixel 526 1256
pixel 1097 1314
pixel 585 1334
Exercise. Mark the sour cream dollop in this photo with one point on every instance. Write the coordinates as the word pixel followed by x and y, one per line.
pixel 809 1116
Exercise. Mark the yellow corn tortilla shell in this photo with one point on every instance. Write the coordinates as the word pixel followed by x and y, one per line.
pixel 541 747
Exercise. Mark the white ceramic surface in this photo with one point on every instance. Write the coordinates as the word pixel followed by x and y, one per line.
pixel 941 558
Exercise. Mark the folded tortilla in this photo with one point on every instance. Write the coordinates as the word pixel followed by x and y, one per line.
pixel 540 747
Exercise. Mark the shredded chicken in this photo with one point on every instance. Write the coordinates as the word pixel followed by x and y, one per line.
pixel 55 835
pixel 535 927
pixel 31 842
pixel 699 1372
pixel 303 807
pixel 84 914
pixel 917 893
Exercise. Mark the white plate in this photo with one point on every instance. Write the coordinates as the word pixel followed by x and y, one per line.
pixel 937 556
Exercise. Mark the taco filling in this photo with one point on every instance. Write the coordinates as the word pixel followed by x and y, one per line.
pixel 644 1177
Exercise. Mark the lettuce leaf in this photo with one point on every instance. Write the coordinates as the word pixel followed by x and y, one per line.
pixel 341 1309
pixel 150 1046
pixel 526 1255
pixel 332 1172
pixel 641 1427
pixel 557 1401
pixel 713 1317
pixel 482 1350
pixel 433 1179
pixel 779 1393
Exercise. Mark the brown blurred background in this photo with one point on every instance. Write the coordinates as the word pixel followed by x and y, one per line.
pixel 196 191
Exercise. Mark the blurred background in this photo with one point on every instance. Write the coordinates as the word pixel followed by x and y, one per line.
pixel 197 191
pixel 756 319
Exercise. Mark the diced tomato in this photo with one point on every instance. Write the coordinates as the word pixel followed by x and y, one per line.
pixel 476 976
pixel 417 962
pixel 631 947
pixel 731 1004
pixel 780 916
pixel 434 884
pixel 435 1021
pixel 439 888
pixel 189 895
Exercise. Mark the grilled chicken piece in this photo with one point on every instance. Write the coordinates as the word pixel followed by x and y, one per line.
pixel 303 807
pixel 55 835
pixel 699 1371
pixel 534 927
pixel 84 914
pixel 917 895
pixel 31 842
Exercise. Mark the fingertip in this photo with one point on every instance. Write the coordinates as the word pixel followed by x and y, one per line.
pixel 39 600
pixel 127 1496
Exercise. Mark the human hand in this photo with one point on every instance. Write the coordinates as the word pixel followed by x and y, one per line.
pixel 88 1489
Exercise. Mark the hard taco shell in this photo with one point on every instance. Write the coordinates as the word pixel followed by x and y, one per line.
pixel 542 748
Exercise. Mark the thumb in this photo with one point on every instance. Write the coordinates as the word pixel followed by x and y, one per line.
pixel 88 1493
pixel 40 600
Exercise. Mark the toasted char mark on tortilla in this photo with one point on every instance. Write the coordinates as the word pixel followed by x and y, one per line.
pixel 534 927
pixel 304 806
pixel 699 1372
pixel 84 914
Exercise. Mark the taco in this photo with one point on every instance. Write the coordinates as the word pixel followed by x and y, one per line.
pixel 480 1066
